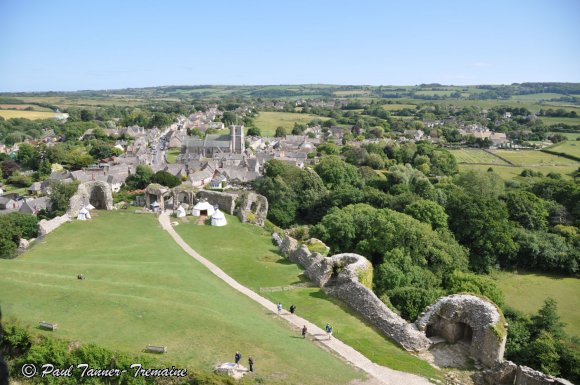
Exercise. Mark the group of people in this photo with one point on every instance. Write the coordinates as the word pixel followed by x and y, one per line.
pixel 238 357
pixel 327 328
pixel 279 307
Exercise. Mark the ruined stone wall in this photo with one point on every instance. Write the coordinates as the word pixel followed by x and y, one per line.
pixel 225 201
pixel 97 193
pixel 45 227
pixel 509 373
pixel 338 277
pixel 253 208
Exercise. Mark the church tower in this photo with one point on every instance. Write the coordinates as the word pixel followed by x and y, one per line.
pixel 238 144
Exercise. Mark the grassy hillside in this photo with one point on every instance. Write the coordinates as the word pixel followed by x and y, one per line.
pixel 246 253
pixel 140 289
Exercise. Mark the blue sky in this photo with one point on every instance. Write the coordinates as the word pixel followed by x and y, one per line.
pixel 106 44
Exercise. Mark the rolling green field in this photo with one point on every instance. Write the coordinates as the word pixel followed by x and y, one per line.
pixel 568 147
pixel 32 115
pixel 141 288
pixel 467 155
pixel 250 257
pixel 569 135
pixel 533 158
pixel 569 121
pixel 521 159
pixel 527 291
pixel 267 121
pixel 395 107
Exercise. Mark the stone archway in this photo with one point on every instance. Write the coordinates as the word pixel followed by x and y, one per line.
pixel 98 198
pixel 473 321
pixel 97 193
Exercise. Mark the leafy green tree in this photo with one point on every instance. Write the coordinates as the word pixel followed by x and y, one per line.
pixel 463 282
pixel 26 223
pixel 527 209
pixel 140 179
pixel 86 115
pixel 280 132
pixel 375 162
pixel 481 224
pixel 478 183
pixel 328 149
pixel 543 354
pixel 9 167
pixel 335 172
pixel 411 301
pixel 165 179
pixel 60 194
pixel 428 212
pixel 27 156
pixel 543 251
pixel 443 163
pixel 548 320
pixel 254 131
pixel 9 237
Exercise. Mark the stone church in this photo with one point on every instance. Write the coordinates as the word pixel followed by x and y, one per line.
pixel 214 144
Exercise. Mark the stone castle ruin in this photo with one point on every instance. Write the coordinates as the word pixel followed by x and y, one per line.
pixel 472 321
pixel 97 193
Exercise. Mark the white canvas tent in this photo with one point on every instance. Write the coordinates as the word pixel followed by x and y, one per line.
pixel 218 219
pixel 83 214
pixel 202 208
pixel 180 212
pixel 155 206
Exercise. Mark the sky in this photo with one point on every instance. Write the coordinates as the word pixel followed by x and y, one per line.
pixel 110 44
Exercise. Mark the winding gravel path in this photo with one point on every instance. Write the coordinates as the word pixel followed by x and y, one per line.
pixel 383 374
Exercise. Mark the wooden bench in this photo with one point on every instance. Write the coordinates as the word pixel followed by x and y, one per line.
pixel 47 326
pixel 156 349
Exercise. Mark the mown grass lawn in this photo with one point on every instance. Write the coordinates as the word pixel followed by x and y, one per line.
pixel 246 253
pixel 140 289
pixel 172 154
pixel 268 121
pixel 527 291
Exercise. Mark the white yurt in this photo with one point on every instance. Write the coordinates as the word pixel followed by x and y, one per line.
pixel 180 212
pixel 202 208
pixel 218 219
pixel 83 214
pixel 155 206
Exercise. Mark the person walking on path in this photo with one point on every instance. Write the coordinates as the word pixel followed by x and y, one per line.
pixel 304 331
pixel 251 363
pixel 328 329
pixel 292 308
pixel 279 307
pixel 237 358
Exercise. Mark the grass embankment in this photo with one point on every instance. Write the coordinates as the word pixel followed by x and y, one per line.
pixel 140 289
pixel 527 291
pixel 246 253
pixel 268 121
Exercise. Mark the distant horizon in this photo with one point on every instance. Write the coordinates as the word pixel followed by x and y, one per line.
pixel 70 46
pixel 434 84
